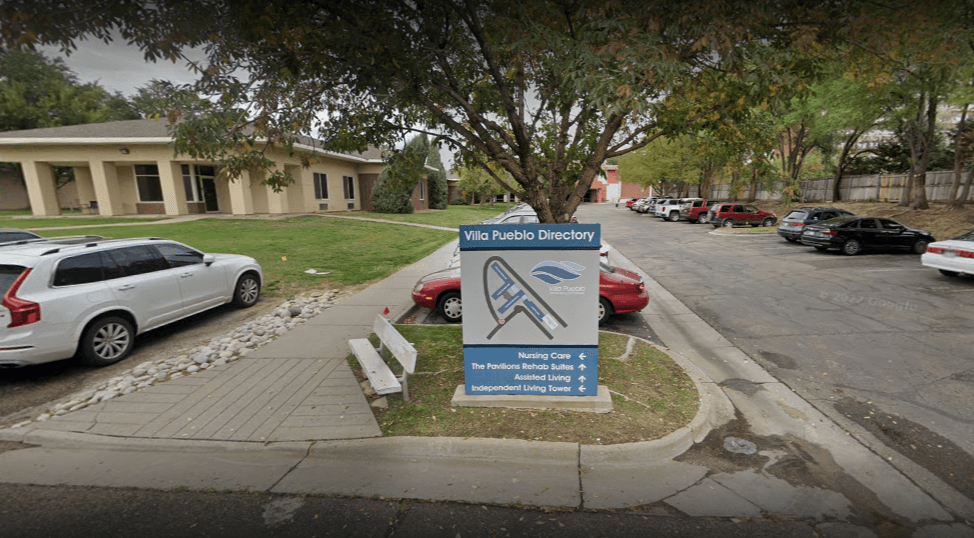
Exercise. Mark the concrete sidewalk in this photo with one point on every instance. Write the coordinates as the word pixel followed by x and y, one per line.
pixel 291 418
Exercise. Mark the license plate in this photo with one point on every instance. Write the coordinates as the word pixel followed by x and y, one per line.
pixel 950 254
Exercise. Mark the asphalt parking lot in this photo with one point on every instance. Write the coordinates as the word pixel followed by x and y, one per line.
pixel 876 341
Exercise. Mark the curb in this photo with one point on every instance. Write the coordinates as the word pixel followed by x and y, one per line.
pixel 715 410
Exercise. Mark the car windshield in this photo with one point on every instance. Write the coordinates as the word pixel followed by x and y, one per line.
pixel 796 215
pixel 8 275
pixel 969 236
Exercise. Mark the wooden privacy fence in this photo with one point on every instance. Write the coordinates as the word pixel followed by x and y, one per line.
pixel 880 188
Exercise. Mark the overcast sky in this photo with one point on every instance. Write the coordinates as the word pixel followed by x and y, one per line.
pixel 119 67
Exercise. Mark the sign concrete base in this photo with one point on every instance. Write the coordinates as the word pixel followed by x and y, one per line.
pixel 586 404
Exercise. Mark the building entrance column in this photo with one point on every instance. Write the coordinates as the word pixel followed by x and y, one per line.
pixel 41 188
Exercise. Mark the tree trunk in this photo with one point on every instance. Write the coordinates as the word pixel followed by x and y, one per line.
pixel 752 191
pixel 952 201
pixel 850 143
pixel 928 140
pixel 966 189
pixel 706 183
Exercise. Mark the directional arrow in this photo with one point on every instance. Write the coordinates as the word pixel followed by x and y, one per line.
pixel 581 379
pixel 581 388
pixel 581 367
pixel 581 356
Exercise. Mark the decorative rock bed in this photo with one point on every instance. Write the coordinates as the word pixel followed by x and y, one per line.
pixel 221 350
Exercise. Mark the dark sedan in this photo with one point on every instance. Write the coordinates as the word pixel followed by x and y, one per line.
pixel 852 234
pixel 11 235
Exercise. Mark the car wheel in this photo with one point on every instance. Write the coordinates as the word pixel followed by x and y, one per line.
pixel 605 310
pixel 107 341
pixel 920 246
pixel 791 239
pixel 674 216
pixel 821 248
pixel 451 306
pixel 768 222
pixel 727 223
pixel 703 219
pixel 851 247
pixel 246 291
pixel 948 273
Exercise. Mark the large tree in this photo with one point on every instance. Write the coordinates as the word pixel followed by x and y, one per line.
pixel 670 165
pixel 37 91
pixel 547 90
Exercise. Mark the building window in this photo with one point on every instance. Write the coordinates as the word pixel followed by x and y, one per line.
pixel 422 190
pixel 147 179
pixel 321 186
pixel 349 183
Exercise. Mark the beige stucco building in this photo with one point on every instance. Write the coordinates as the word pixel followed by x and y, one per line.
pixel 128 168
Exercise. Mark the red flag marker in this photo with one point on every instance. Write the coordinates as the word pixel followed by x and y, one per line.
pixel 386 311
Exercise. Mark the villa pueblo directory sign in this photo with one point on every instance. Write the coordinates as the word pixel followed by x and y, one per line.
pixel 530 309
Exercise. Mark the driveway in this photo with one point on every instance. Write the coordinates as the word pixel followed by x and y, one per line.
pixel 877 342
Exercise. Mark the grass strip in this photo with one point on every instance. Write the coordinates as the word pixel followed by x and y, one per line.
pixel 453 217
pixel 652 397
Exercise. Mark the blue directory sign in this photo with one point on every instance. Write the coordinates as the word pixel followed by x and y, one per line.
pixel 530 308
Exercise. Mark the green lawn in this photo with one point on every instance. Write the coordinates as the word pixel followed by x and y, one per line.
pixel 354 252
pixel 9 219
pixel 450 218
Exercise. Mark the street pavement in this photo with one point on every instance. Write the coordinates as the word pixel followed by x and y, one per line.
pixel 291 420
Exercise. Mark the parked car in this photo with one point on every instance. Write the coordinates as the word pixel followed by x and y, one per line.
pixel 643 205
pixel 631 201
pixel 521 216
pixel 728 215
pixel 694 210
pixel 9 235
pixel 620 291
pixel 952 257
pixel 852 234
pixel 670 209
pixel 794 223
pixel 64 298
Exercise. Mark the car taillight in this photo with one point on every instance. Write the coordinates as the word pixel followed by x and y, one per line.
pixel 962 253
pixel 830 232
pixel 641 286
pixel 935 250
pixel 21 312
pixel 798 224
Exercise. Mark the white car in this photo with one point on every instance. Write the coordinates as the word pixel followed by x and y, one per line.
pixel 951 257
pixel 668 209
pixel 65 298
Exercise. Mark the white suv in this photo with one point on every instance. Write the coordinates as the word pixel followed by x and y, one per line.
pixel 64 298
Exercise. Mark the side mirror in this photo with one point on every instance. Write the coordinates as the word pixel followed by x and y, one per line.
pixel 208 259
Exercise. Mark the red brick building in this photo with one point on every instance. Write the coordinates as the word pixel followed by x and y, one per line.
pixel 612 188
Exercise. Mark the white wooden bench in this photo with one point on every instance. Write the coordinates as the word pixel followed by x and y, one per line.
pixel 380 376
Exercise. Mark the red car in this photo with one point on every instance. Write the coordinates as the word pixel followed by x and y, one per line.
pixel 731 214
pixel 620 291
pixel 631 201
